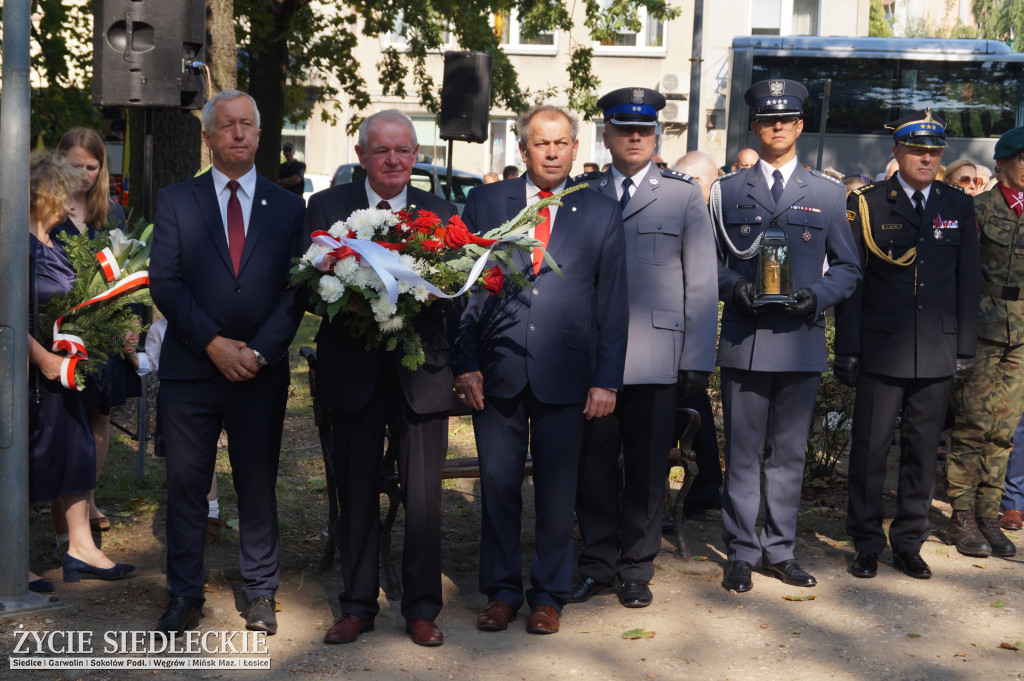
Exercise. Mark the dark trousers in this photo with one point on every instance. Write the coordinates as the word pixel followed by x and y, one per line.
pixel 421 442
pixel 620 514
pixel 880 399
pixel 505 430
pixel 192 414
pixel 750 399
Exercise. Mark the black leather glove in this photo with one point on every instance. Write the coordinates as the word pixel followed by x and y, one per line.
pixel 806 304
pixel 743 293
pixel 691 383
pixel 847 369
pixel 964 369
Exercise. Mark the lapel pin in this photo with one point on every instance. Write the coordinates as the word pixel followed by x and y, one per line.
pixel 745 230
pixel 574 209
pixel 653 181
pixel 263 202
pixel 806 235
pixel 892 194
pixel 604 183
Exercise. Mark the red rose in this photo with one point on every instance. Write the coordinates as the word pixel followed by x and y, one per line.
pixel 431 246
pixel 494 279
pixel 458 235
pixel 426 223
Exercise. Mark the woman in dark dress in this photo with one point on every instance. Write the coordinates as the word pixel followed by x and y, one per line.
pixel 91 209
pixel 62 452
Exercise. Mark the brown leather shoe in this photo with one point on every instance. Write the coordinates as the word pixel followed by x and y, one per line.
pixel 495 617
pixel 424 632
pixel 1012 519
pixel 347 629
pixel 543 620
pixel 213 526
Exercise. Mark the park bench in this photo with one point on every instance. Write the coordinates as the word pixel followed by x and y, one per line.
pixel 462 467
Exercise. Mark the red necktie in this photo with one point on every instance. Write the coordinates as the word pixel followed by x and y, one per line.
pixel 541 233
pixel 383 205
pixel 236 226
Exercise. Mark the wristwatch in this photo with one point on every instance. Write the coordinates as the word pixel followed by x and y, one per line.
pixel 260 359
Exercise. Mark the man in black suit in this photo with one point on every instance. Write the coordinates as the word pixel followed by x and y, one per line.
pixel 368 390
pixel 909 327
pixel 219 273
pixel 545 356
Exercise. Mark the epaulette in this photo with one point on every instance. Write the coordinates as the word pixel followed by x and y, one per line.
pixel 868 187
pixel 676 175
pixel 818 173
pixel 587 177
pixel 730 173
pixel 954 186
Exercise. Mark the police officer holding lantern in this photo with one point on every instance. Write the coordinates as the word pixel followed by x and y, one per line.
pixel 777 223
pixel 910 326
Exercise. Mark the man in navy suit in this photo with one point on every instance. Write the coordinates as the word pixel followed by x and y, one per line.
pixel 537 361
pixel 219 273
pixel 772 355
pixel 368 390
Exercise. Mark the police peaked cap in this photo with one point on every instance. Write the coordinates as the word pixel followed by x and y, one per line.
pixel 776 97
pixel 632 106
pixel 919 129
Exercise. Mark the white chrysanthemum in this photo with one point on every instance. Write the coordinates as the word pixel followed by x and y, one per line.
pixel 404 287
pixel 345 268
pixel 382 309
pixel 366 232
pixel 366 222
pixel 331 288
pixel 374 281
pixel 338 230
pixel 313 252
pixel 391 325
pixel 361 277
pixel 421 293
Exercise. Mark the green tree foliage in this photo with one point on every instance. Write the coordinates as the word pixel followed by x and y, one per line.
pixel 62 64
pixel 878 26
pixel 1001 20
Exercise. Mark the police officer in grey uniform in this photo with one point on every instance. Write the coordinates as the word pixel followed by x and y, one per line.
pixel 771 356
pixel 900 338
pixel 673 307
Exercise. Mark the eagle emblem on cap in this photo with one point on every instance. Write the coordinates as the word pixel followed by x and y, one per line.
pixel 777 88
pixel 638 95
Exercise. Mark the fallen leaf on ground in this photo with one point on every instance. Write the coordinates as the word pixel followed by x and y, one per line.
pixel 913 635
pixel 1012 646
pixel 638 633
pixel 792 631
pixel 998 604
pixel 979 565
pixel 811 597
pixel 699 557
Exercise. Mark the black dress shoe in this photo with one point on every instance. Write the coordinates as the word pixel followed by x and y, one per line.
pixel 737 576
pixel 790 572
pixel 911 564
pixel 635 594
pixel 180 614
pixel 259 616
pixel 586 587
pixel 865 564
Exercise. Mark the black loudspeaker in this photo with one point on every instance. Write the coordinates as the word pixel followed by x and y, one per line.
pixel 144 51
pixel 466 96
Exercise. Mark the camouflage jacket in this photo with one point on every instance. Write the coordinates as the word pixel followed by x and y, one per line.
pixel 1002 263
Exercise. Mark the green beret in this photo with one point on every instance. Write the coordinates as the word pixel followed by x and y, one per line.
pixel 1010 143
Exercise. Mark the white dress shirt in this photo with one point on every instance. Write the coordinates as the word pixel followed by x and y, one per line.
pixel 246 190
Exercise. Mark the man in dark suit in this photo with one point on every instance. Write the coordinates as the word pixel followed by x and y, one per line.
pixel 900 338
pixel 219 273
pixel 673 310
pixel 369 390
pixel 537 361
pixel 771 355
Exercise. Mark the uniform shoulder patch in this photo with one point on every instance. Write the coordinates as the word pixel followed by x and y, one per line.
pixel 818 173
pixel 870 187
pixel 850 216
pixel 587 177
pixel 676 175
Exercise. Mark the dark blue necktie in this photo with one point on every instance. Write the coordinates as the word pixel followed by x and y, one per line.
pixel 919 203
pixel 777 187
pixel 624 199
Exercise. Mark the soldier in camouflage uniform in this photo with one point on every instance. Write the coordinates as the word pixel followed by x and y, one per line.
pixel 987 407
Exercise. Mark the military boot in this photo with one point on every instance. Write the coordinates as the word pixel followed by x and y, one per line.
pixel 965 535
pixel 1001 546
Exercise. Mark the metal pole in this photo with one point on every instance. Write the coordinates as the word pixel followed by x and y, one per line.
pixel 14 200
pixel 693 118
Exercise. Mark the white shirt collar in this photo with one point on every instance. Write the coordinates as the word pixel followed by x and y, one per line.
pixel 397 202
pixel 618 177
pixel 532 189
pixel 787 171
pixel 246 183
pixel 910 190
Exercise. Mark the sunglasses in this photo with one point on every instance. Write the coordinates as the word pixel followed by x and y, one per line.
pixel 967 181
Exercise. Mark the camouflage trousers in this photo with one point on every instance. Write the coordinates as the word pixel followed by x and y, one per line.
pixel 987 409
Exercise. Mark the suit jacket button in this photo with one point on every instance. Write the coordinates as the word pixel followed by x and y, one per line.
pixel 237 288
pixel 920 307
pixel 659 226
pixel 536 292
pixel 922 284
pixel 532 328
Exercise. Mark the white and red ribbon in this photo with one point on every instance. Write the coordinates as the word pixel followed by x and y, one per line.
pixel 73 345
pixel 390 268
pixel 108 263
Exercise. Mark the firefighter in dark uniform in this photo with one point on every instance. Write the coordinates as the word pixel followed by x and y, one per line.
pixel 911 325
pixel 772 356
